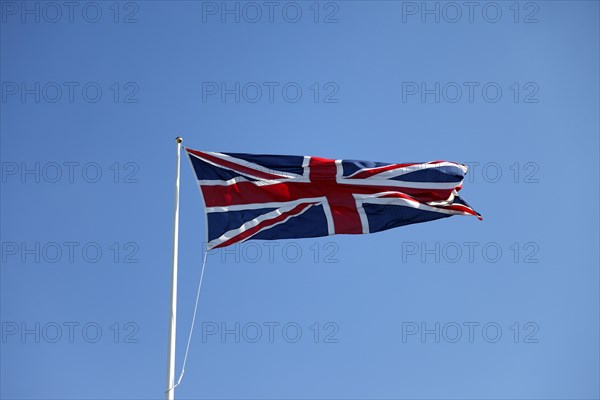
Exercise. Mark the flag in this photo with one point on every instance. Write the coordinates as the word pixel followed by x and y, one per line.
pixel 269 197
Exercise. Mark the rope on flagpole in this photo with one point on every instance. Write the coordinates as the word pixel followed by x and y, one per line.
pixel 187 347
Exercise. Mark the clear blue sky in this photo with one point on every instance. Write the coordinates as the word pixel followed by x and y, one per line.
pixel 515 95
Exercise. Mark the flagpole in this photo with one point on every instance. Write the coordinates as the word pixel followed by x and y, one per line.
pixel 170 393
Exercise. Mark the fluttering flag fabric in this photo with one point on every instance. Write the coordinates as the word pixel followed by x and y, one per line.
pixel 269 197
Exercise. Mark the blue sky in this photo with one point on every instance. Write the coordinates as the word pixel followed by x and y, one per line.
pixel 94 95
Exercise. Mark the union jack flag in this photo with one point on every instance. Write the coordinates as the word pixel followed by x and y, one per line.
pixel 268 197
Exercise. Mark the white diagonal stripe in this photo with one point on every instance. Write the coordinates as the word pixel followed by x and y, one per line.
pixel 250 224
pixel 377 199
pixel 251 165
pixel 405 170
pixel 400 184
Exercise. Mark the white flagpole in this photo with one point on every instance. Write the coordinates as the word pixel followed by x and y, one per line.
pixel 170 394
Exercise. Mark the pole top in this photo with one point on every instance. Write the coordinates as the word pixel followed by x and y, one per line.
pixel 179 139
